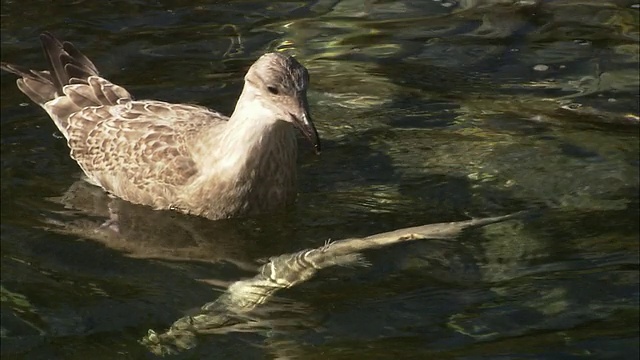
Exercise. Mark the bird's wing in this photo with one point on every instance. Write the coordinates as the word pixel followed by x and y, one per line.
pixel 138 144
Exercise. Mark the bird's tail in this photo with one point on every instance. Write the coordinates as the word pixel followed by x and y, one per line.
pixel 71 84
pixel 67 65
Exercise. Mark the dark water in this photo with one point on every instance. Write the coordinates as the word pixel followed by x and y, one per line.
pixel 430 111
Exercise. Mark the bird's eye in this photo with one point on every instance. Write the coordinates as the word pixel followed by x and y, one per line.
pixel 273 90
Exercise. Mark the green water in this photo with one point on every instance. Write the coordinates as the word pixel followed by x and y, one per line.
pixel 429 111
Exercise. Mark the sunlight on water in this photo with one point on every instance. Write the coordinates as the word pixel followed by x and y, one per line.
pixel 429 112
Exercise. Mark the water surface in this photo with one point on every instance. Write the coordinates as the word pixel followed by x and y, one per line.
pixel 430 111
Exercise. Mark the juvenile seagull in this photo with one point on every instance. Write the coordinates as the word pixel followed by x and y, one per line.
pixel 179 156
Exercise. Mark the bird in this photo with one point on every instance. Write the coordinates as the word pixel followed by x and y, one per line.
pixel 172 156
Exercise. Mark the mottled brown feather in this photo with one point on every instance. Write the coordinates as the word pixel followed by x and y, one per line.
pixel 156 149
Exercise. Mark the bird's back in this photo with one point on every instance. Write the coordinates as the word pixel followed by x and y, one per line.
pixel 141 151
pixel 137 150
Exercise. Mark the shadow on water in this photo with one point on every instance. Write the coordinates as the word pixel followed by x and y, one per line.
pixel 430 111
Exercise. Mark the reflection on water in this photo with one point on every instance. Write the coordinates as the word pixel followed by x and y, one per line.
pixel 432 111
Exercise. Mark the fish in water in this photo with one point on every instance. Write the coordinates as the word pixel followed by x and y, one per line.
pixel 179 156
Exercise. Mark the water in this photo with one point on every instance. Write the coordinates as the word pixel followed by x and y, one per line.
pixel 430 111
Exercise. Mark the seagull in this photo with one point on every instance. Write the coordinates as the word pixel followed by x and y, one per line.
pixel 179 156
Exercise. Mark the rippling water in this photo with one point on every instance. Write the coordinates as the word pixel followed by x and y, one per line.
pixel 430 111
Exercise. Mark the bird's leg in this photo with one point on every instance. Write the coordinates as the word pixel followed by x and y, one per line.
pixel 113 222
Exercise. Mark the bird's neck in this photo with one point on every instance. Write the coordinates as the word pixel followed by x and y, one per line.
pixel 256 154
pixel 254 135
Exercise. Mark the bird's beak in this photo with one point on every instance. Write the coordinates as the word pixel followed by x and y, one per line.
pixel 302 120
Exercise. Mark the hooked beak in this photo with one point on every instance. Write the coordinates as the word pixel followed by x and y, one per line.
pixel 302 120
